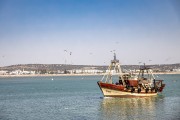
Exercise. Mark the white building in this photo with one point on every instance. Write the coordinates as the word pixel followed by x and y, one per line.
pixel 176 70
pixel 16 72
pixel 2 72
pixel 20 72
pixel 85 70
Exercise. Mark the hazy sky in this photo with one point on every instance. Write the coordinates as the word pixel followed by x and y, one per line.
pixel 85 31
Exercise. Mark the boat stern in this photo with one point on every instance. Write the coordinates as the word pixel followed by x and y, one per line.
pixel 162 87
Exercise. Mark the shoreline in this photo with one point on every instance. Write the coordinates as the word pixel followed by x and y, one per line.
pixel 49 75
pixel 59 75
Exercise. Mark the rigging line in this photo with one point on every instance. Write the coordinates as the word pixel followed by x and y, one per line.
pixel 109 68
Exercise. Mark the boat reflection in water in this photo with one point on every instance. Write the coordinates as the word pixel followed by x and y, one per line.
pixel 129 108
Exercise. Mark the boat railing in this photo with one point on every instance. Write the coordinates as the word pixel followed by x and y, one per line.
pixel 158 82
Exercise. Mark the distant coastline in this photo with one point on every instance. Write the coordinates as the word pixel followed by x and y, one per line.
pixel 55 75
pixel 49 75
pixel 38 70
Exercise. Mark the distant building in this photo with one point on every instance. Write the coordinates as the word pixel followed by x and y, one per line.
pixel 60 72
pixel 20 72
pixel 85 70
pixel 176 70
pixel 16 72
pixel 2 72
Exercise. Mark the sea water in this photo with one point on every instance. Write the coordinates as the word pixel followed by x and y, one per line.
pixel 79 98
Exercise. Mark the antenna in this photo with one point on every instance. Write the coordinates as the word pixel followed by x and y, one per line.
pixel 114 60
pixel 114 56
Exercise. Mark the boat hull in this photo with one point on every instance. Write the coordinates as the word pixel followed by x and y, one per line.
pixel 110 92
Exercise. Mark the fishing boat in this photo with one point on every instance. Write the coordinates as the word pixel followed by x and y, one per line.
pixel 115 83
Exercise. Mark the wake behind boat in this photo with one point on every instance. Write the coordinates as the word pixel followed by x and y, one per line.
pixel 129 85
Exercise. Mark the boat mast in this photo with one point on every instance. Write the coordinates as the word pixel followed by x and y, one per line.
pixel 117 65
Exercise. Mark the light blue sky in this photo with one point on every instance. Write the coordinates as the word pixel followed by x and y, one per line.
pixel 39 31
